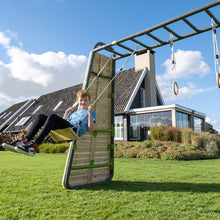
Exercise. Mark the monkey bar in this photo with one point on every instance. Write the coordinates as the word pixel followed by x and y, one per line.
pixel 141 38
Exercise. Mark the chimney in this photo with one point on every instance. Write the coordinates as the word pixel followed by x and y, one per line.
pixel 146 60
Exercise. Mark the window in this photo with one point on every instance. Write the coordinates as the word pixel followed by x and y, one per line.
pixel 119 128
pixel 134 130
pixel 6 115
pixel 167 118
pixel 157 118
pixel 3 115
pixel 197 124
pixel 142 91
pixel 140 124
pixel 36 109
pixel 58 105
pixel 182 120
pixel 23 121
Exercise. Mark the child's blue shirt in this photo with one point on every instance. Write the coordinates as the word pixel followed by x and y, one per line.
pixel 76 117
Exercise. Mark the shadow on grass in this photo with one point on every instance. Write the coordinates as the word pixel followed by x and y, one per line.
pixel 138 186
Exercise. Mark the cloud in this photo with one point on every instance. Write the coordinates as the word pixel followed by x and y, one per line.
pixel 209 120
pixel 166 88
pixel 189 64
pixel 4 41
pixel 29 75
pixel 47 69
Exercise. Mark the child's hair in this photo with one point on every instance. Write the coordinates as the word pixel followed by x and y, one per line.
pixel 83 94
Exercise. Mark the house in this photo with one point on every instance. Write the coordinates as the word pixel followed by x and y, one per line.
pixel 13 113
pixel 55 102
pixel 138 106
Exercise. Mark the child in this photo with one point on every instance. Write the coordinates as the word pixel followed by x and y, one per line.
pixel 54 122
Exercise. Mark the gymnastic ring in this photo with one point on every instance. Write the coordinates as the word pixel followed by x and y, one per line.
pixel 218 79
pixel 175 88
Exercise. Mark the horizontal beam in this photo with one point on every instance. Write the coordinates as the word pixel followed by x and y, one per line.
pixel 163 25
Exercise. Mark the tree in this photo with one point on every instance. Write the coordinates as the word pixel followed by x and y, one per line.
pixel 210 129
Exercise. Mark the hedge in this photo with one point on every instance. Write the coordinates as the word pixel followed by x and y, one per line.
pixel 168 143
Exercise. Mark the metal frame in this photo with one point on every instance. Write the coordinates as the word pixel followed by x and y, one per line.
pixel 115 49
pixel 111 47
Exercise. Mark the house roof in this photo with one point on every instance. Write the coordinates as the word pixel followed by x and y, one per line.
pixel 6 113
pixel 46 104
pixel 7 116
pixel 126 85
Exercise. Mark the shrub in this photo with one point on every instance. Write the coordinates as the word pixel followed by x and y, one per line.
pixel 143 144
pixel 166 150
pixel 148 153
pixel 165 145
pixel 175 133
pixel 185 135
pixel 5 138
pixel 54 148
pixel 11 137
pixel 210 138
pixel 212 147
pixel 197 140
pixel 165 133
pixel 157 132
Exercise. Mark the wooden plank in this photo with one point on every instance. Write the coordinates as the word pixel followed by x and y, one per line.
pixel 81 156
pixel 102 161
pixel 84 176
pixel 80 162
pixel 99 175
pixel 99 148
pixel 101 154
pixel 84 172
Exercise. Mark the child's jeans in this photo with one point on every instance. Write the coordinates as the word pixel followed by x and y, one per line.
pixel 47 123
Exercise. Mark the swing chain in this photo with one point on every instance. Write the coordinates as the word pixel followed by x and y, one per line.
pixel 76 103
pixel 115 76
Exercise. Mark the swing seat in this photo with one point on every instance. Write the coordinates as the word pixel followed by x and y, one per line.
pixel 66 134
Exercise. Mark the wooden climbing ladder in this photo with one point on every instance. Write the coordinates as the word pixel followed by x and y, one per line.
pixel 90 159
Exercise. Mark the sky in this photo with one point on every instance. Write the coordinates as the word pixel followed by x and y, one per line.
pixel 45 45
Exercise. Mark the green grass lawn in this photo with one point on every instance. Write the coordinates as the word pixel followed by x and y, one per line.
pixel 30 188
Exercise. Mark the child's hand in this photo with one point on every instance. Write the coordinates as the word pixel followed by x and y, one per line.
pixel 68 111
pixel 90 108
pixel 71 109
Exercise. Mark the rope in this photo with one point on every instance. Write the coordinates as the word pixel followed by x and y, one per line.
pixel 99 73
pixel 115 76
pixel 175 85
pixel 76 103
pixel 216 53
